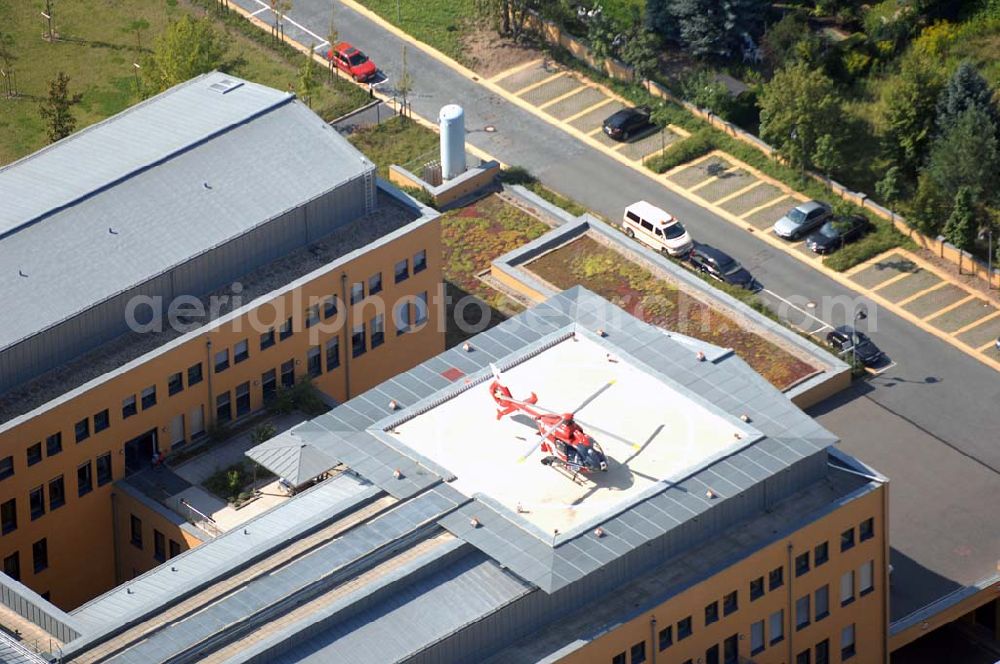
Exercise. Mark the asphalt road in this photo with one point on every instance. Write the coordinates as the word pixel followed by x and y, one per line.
pixel 933 386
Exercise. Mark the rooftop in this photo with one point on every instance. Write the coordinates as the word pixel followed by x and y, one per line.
pixel 668 432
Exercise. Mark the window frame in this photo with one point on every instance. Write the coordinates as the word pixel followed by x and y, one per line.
pixel 420 261
pixel 81 433
pixel 135 531
pixel 870 567
pixel 711 613
pixel 36 502
pixel 359 340
pixel 332 344
pixel 802 565
pixel 43 564
pixel 241 355
pixel 401 270
pixel 758 594
pixel 866 529
pixel 7 467
pixel 56 503
pixel 820 560
pixel 804 601
pixel 375 283
pixel 8 508
pixel 314 361
pixel 84 479
pixel 376 332
pixel 195 374
pixel 847 540
pixel 101 479
pixel 175 383
pixel 159 546
pixel 53 442
pixel 849 574
pixel 775 578
pixel 763 637
pixel 730 603
pixel 220 360
pixel 148 397
pixel 822 591
pixel 772 639
pixel 685 628
pixel 130 407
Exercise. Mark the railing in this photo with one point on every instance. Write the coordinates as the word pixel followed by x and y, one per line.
pixel 202 521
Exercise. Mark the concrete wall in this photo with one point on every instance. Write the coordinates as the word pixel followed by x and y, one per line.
pixel 135 558
pixel 80 534
pixel 466 184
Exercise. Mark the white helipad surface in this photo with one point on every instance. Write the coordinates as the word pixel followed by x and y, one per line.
pixel 649 432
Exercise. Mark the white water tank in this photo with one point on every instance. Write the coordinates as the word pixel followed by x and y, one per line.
pixel 452 123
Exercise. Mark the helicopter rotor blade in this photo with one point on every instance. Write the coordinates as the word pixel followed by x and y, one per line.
pixel 542 438
pixel 588 400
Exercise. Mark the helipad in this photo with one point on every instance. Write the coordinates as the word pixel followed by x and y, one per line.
pixel 651 431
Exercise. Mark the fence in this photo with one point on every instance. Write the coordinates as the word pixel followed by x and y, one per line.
pixel 371 115
pixel 555 35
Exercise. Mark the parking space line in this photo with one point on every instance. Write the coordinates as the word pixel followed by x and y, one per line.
pixel 567 95
pixel 538 84
pixel 595 131
pixel 577 116
pixel 823 323
pixel 262 9
pixel 738 192
pixel 953 305
pixel 757 209
pixel 986 346
pixel 975 323
pixel 515 69
pixel 879 372
pixel 708 181
pixel 911 298
pixel 297 25
pixel 891 280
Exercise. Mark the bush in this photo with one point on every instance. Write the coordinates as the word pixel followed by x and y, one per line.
pixel 518 175
pixel 883 238
pixel 263 432
pixel 684 150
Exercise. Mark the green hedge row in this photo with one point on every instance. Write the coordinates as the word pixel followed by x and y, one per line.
pixel 697 144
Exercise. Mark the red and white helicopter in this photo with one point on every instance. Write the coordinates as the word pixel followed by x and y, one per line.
pixel 562 439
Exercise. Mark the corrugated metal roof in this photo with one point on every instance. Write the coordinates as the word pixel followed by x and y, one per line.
pixel 291 458
pixel 14 652
pixel 131 197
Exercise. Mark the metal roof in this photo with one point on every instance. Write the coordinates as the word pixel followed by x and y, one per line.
pixel 14 652
pixel 291 458
pixel 123 201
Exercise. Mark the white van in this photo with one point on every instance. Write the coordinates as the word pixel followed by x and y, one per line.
pixel 656 228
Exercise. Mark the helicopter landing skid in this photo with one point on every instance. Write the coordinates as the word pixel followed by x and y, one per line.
pixel 570 471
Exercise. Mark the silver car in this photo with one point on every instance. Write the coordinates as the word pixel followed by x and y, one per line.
pixel 802 219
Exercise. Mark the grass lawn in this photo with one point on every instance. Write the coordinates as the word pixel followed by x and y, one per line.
pixel 638 291
pixel 472 237
pixel 396 141
pixel 439 23
pixel 97 54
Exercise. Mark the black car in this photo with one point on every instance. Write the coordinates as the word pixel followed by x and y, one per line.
pixel 845 337
pixel 835 233
pixel 627 122
pixel 721 266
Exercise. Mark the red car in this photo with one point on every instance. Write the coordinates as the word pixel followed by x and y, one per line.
pixel 352 61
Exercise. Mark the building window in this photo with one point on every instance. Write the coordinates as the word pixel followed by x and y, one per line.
pixel 269 384
pixel 420 304
pixel 847 540
pixel 84 479
pixel 159 545
pixel 8 516
pixel 730 603
pixel 847 588
pixel 135 531
pixel 40 555
pixel 377 331
pixel 666 637
pixel 312 316
pixel 776 578
pixel 375 283
pixel 847 649
pixel 866 530
pixel 102 421
pixel 194 374
pixel 34 454
pixel 357 292
pixel 286 329
pixel 420 261
pixel 103 469
pixel 821 598
pixel 804 657
pixel 223 408
pixel 12 566
pixel 241 351
pixel 823 652
pixel 776 625
pixel 358 340
pixel 175 383
pixel 6 467
pixel 712 613
pixel 401 316
pixel 333 353
pixel 684 629
pixel 175 549
pixel 866 580
pixel 757 588
pixel 757 637
pixel 36 501
pixel 53 444
pixel 128 407
pixel 242 399
pixel 82 430
pixel 619 659
pixel 57 493
pixel 288 373
pixel 712 654
pixel 638 653
pixel 731 650
pixel 222 360
pixel 402 270
pixel 802 612
pixel 149 397
pixel 314 361
pixel 821 553
pixel 329 307
pixel 267 339
pixel 801 564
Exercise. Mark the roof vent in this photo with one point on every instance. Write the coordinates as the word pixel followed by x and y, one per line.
pixel 398 474
pixel 225 85
pixel 710 494
pixel 393 405
pixel 700 356
pixel 474 522
pixel 21 273
pixel 467 347
pixel 598 532
pixel 745 417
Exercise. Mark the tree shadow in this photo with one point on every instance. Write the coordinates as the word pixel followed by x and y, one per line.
pixel 461 326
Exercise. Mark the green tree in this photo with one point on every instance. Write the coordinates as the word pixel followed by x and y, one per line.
pixel 601 35
pixel 641 51
pixel 908 110
pixel 827 156
pixel 56 110
pixel 961 227
pixel 780 41
pixel 705 91
pixel 797 107
pixel 333 37
pixel 929 208
pixel 189 47
pixel 889 187
pixel 137 27
pixel 508 17
pixel 307 79
pixel 707 28
pixel 967 155
pixel 8 58
pixel 966 89
pixel 278 10
pixel 405 84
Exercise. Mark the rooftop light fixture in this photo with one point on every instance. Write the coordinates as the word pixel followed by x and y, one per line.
pixel 393 405
pixel 474 522
pixel 701 356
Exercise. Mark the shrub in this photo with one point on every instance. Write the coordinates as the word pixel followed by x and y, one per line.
pixel 263 432
pixel 517 175
pixel 883 238
pixel 683 151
